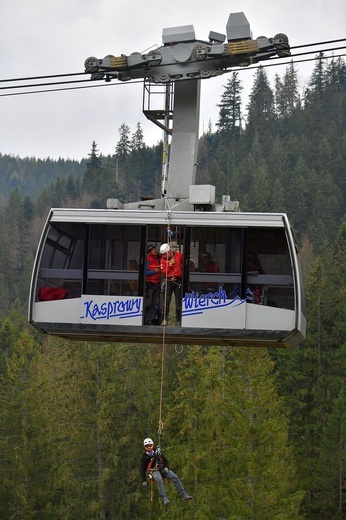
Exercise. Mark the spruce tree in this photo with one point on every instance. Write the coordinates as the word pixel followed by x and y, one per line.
pixel 123 146
pixel 318 78
pixel 287 97
pixel 137 141
pixel 92 181
pixel 261 107
pixel 230 106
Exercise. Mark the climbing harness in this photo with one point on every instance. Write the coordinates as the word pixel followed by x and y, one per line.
pixel 151 468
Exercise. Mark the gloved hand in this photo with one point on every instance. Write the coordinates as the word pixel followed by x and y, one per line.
pixel 165 471
pixel 145 483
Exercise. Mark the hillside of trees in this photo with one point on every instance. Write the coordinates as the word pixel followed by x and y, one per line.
pixel 253 433
pixel 30 175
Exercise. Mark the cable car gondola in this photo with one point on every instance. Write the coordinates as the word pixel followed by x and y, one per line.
pixel 88 280
pixel 89 277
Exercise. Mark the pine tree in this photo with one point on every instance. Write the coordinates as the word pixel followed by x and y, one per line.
pixel 230 106
pixel 253 167
pixel 72 188
pixel 318 78
pixel 261 107
pixel 287 97
pixel 298 193
pixel 260 190
pixel 92 181
pixel 137 141
pixel 123 146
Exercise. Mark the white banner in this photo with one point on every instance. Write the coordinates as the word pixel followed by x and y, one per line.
pixel 111 310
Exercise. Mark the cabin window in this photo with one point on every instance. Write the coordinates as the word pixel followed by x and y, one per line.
pixel 268 265
pixel 215 260
pixel 61 262
pixel 109 259
pixel 90 259
pixel 113 259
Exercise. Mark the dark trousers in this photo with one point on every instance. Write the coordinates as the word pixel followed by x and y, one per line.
pixel 172 287
pixel 152 294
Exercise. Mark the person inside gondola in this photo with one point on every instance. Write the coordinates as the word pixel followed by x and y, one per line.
pixel 155 465
pixel 132 286
pixel 193 267
pixel 209 266
pixel 152 286
pixel 254 265
pixel 172 271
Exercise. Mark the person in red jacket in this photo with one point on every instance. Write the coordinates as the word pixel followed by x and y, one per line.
pixel 152 285
pixel 172 272
pixel 209 266
pixel 155 465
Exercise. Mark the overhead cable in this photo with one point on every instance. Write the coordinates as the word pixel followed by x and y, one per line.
pixel 44 77
pixel 107 84
pixel 319 43
pixel 268 63
pixel 32 78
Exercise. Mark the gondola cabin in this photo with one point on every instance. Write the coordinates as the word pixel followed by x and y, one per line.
pixel 88 281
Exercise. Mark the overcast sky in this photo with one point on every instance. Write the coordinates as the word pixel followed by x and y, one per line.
pixel 45 37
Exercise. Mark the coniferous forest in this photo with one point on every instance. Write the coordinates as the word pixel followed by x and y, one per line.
pixel 254 433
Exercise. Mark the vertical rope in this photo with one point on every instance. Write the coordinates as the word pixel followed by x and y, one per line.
pixel 160 429
pixel 165 317
pixel 151 490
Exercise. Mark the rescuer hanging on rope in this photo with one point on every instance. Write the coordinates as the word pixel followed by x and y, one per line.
pixel 155 466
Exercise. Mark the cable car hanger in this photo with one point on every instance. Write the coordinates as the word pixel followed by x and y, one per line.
pixel 182 56
pixel 178 65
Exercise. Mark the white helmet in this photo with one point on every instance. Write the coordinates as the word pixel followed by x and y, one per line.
pixel 148 441
pixel 165 248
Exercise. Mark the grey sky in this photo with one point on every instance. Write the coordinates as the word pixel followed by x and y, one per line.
pixel 40 37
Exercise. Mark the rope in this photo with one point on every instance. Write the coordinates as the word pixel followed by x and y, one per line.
pixel 165 318
pixel 151 490
pixel 159 431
